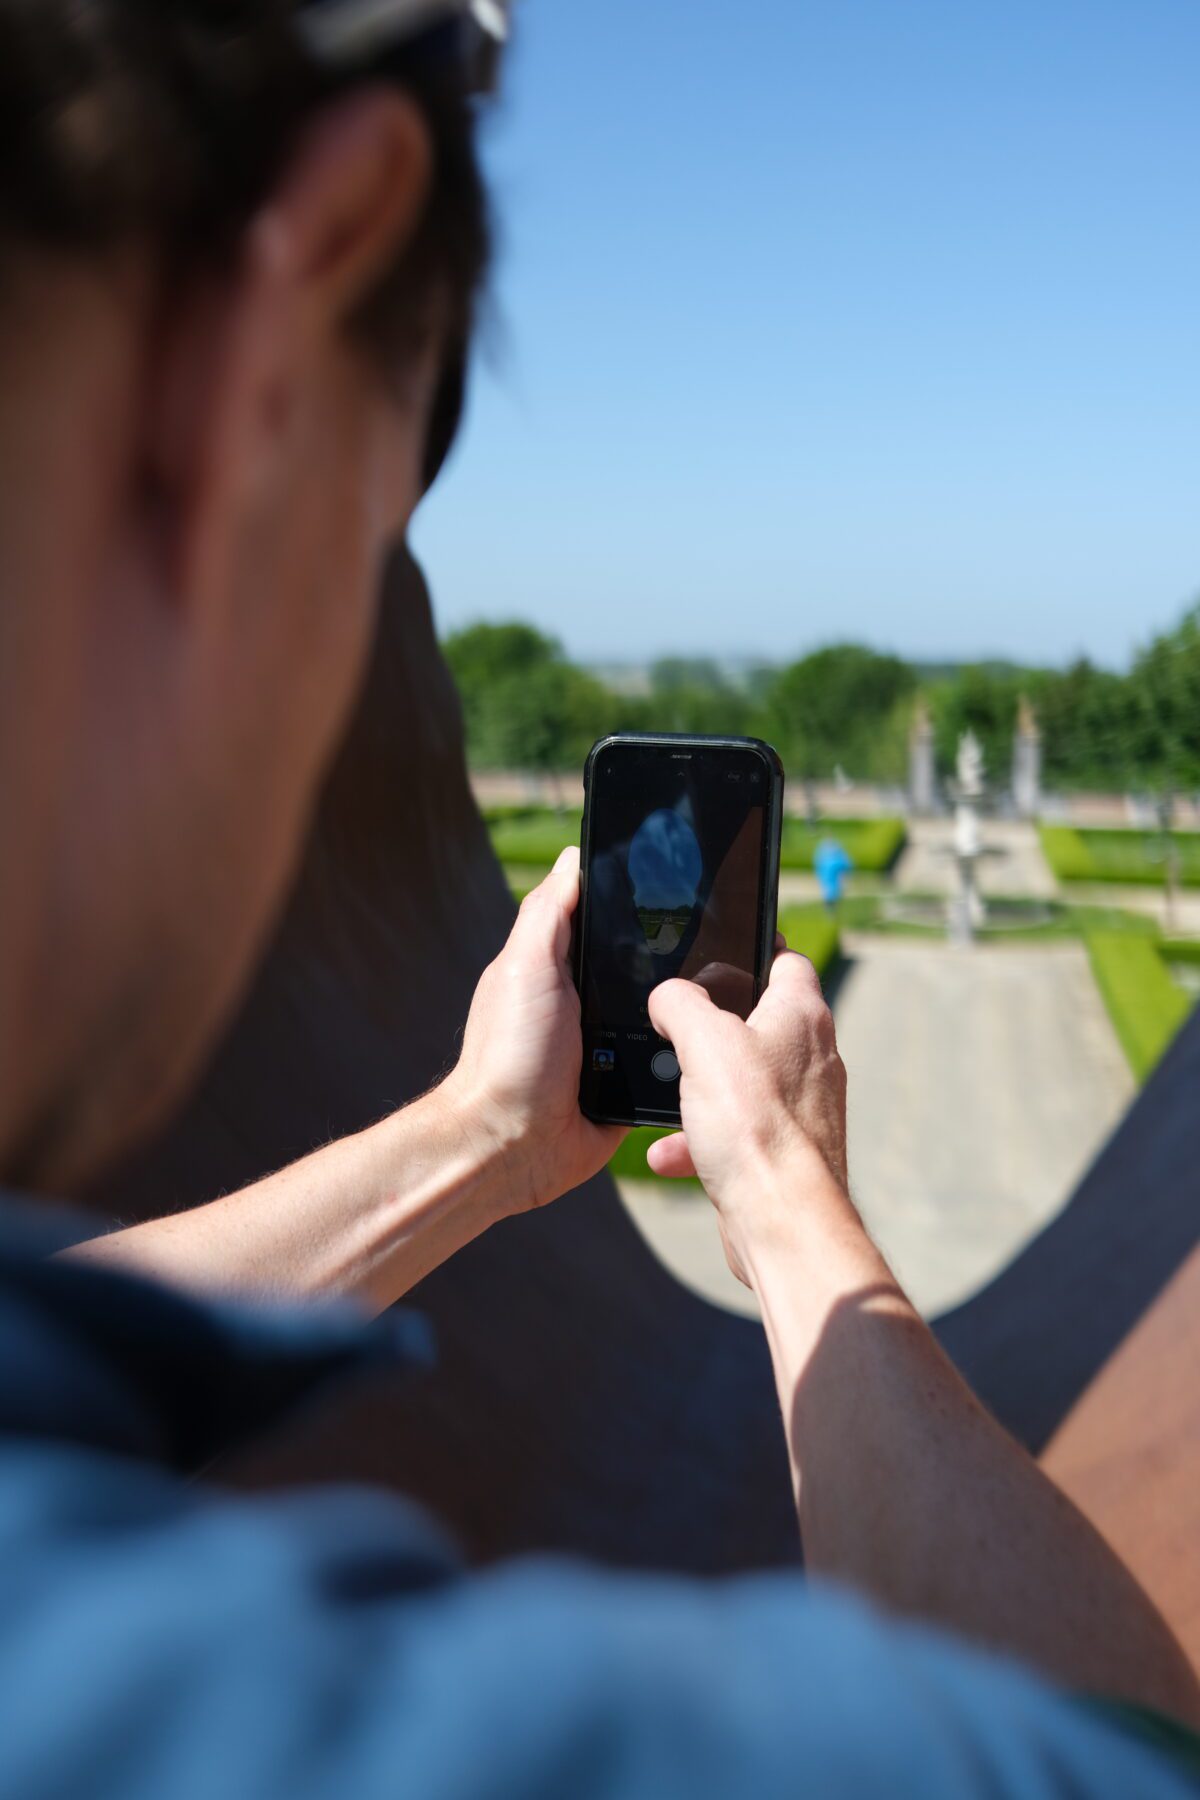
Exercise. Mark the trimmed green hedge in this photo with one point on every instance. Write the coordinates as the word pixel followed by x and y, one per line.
pixel 1132 857
pixel 811 931
pixel 815 935
pixel 1180 950
pixel 1145 1005
pixel 1064 850
pixel 873 845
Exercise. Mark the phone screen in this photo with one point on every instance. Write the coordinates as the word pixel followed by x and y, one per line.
pixel 677 848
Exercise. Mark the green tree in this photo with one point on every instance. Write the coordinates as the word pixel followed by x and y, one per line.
pixel 527 707
pixel 983 700
pixel 546 720
pixel 838 708
pixel 1101 729
pixel 524 705
pixel 1085 715
pixel 1165 689
pixel 691 695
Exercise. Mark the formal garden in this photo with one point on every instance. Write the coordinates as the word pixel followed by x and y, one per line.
pixel 1147 980
pixel 846 715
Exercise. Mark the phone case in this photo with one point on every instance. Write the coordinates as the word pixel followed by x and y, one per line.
pixel 768 924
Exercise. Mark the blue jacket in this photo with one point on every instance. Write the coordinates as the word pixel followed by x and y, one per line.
pixel 160 1640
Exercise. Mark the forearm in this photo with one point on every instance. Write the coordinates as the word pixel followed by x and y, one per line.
pixel 366 1218
pixel 910 1491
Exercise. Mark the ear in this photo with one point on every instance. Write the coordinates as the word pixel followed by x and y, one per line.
pixel 234 352
pixel 352 198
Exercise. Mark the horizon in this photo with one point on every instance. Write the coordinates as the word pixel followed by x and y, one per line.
pixel 748 661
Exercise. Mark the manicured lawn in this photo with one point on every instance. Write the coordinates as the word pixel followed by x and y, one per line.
pixel 1064 923
pixel 1015 920
pixel 535 838
pixel 1147 1008
pixel 1133 857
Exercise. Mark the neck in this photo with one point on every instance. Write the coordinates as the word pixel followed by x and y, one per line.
pixel 59 452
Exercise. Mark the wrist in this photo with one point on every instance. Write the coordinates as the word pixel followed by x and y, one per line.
pixel 494 1144
pixel 812 1273
pixel 786 1210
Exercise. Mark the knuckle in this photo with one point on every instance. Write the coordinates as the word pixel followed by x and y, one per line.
pixel 825 1026
pixel 801 970
pixel 487 980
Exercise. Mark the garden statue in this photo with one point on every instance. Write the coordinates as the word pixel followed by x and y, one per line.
pixel 967 911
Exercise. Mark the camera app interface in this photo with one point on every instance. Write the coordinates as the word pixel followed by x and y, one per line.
pixel 675 889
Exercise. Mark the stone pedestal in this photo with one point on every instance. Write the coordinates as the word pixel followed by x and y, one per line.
pixel 1027 764
pixel 922 776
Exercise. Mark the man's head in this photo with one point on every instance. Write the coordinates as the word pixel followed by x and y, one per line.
pixel 229 287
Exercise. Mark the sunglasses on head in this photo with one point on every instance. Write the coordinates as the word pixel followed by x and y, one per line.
pixel 358 37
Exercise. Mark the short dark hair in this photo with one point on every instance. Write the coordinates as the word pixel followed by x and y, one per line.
pixel 165 121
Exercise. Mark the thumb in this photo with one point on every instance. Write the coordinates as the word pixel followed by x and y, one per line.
pixel 543 927
pixel 685 1015
pixel 565 872
pixel 794 982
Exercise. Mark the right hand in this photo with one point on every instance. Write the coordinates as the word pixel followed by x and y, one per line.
pixel 763 1105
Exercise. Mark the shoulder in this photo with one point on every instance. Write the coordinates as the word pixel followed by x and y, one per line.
pixel 325 1642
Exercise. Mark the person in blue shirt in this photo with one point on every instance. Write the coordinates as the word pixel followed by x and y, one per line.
pixel 832 862
pixel 239 246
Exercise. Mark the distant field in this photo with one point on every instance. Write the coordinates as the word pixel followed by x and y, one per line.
pixel 534 837
pixel 1132 857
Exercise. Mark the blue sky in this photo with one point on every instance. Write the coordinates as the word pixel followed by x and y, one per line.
pixel 861 320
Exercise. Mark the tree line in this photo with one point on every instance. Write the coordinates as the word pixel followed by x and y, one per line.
pixel 845 707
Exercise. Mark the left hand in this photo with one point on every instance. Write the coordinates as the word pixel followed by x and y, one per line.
pixel 515 1091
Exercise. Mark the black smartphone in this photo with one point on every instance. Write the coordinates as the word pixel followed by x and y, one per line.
pixel 681 840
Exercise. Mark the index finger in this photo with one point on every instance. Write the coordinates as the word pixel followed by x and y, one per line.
pixel 687 1017
pixel 675 1006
